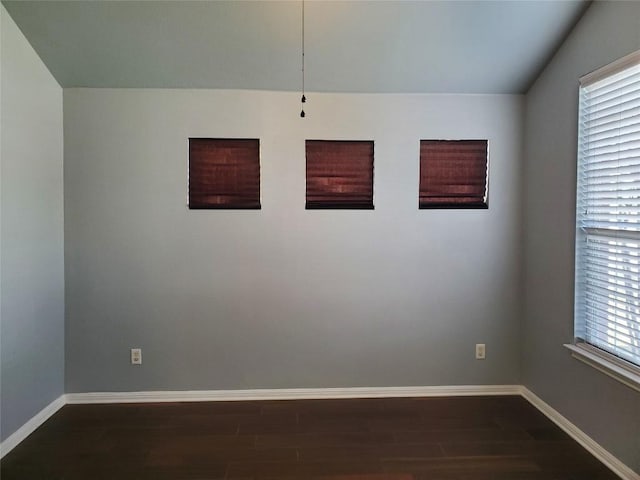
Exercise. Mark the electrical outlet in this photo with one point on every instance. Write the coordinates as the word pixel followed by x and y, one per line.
pixel 136 356
pixel 480 351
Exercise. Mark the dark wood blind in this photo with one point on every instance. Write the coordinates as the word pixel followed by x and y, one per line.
pixel 453 174
pixel 339 174
pixel 224 173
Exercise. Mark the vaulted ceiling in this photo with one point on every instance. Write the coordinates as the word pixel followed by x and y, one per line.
pixel 351 46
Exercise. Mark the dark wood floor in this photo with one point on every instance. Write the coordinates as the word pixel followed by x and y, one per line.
pixel 464 438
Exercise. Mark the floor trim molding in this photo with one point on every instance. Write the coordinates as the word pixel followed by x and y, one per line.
pixel 593 447
pixel 28 428
pixel 291 394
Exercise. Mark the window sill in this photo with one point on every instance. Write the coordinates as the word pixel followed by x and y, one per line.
pixel 593 357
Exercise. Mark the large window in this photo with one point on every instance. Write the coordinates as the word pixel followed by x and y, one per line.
pixel 607 302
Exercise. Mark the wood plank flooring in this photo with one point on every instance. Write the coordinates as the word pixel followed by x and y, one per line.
pixel 461 438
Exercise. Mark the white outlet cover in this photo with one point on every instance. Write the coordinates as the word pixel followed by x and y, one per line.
pixel 136 356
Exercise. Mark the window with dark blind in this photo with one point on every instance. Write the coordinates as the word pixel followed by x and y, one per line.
pixel 453 174
pixel 339 174
pixel 224 173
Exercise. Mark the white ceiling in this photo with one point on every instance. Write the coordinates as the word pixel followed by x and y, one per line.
pixel 351 46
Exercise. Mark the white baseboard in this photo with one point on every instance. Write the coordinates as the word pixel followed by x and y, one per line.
pixel 291 394
pixel 593 447
pixel 27 429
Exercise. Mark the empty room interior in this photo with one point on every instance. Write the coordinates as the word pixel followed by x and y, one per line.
pixel 339 240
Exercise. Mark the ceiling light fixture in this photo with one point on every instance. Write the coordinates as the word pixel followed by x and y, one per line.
pixel 303 99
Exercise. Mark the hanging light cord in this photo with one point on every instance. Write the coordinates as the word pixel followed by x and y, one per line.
pixel 303 99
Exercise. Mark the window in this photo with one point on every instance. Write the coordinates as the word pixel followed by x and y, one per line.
pixel 453 174
pixel 339 174
pixel 224 173
pixel 607 300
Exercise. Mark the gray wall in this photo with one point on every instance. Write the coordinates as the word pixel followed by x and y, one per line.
pixel 605 409
pixel 284 297
pixel 31 253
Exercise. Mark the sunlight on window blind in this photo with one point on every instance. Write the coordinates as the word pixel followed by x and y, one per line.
pixel 608 215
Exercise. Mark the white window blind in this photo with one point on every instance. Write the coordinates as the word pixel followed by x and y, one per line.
pixel 607 306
